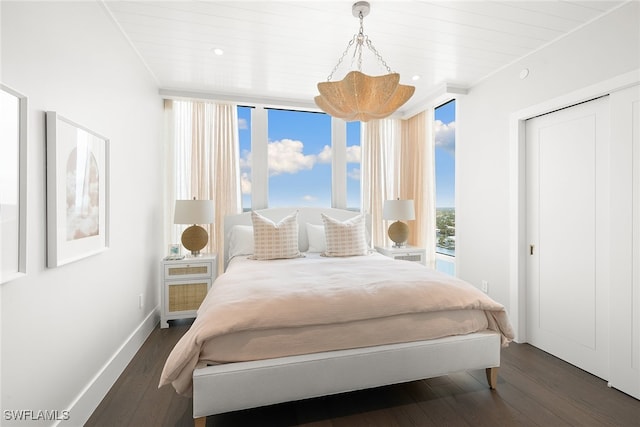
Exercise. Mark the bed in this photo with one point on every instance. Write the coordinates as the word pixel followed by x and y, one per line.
pixel 319 313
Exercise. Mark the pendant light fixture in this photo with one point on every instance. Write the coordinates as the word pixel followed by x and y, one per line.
pixel 359 96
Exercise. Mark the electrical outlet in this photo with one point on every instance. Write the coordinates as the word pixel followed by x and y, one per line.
pixel 140 301
pixel 485 286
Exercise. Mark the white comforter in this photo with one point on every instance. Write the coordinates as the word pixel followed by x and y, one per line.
pixel 313 290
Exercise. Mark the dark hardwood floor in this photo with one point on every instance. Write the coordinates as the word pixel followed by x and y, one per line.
pixel 534 389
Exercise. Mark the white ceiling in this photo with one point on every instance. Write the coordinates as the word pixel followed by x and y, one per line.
pixel 275 52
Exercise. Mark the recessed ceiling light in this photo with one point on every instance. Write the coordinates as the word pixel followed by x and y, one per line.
pixel 415 77
pixel 217 51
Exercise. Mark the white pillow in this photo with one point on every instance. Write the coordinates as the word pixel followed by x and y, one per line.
pixel 240 241
pixel 315 235
pixel 275 241
pixel 345 238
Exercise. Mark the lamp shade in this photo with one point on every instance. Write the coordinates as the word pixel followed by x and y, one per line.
pixel 193 212
pixel 398 210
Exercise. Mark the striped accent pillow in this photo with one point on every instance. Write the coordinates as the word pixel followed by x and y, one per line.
pixel 345 238
pixel 275 241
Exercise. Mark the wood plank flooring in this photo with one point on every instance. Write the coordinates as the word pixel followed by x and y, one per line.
pixel 534 389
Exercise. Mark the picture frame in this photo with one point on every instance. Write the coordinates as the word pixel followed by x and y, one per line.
pixel 174 249
pixel 13 184
pixel 175 252
pixel 77 191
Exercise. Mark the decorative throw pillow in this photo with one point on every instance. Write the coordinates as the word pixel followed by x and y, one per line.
pixel 315 235
pixel 275 241
pixel 345 238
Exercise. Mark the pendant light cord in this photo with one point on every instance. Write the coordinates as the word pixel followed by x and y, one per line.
pixel 359 40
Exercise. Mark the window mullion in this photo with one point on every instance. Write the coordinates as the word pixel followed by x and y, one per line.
pixel 338 163
pixel 259 159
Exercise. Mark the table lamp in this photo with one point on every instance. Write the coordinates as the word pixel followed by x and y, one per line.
pixel 194 212
pixel 398 210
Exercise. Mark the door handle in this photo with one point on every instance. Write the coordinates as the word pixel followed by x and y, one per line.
pixel 531 247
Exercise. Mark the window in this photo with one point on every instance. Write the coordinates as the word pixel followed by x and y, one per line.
pixel 287 157
pixel 445 148
pixel 299 158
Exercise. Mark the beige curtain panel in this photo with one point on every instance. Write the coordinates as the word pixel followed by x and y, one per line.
pixel 379 144
pixel 417 181
pixel 398 162
pixel 203 149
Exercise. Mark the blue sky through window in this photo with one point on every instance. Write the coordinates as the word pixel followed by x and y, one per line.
pixel 244 135
pixel 445 145
pixel 300 158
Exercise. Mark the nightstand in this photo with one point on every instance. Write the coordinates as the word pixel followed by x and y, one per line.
pixel 407 253
pixel 185 283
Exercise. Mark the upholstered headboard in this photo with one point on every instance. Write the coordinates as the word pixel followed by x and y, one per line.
pixel 310 215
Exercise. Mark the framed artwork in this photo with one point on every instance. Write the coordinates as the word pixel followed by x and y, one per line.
pixel 77 191
pixel 13 184
pixel 174 249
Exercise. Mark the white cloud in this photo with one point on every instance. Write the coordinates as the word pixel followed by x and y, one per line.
pixel 309 198
pixel 245 183
pixel 325 155
pixel 285 156
pixel 242 124
pixel 354 174
pixel 245 160
pixel 354 154
pixel 445 135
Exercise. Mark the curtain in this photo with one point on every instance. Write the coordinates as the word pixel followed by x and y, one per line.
pixel 380 141
pixel 204 162
pixel 417 181
pixel 226 155
pixel 398 162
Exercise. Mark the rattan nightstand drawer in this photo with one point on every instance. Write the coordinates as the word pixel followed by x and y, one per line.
pixel 187 270
pixel 186 296
pixel 185 284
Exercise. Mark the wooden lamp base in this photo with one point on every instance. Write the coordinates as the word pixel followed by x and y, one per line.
pixel 195 238
pixel 398 233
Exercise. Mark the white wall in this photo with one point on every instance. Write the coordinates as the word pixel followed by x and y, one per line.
pixel 598 51
pixel 62 328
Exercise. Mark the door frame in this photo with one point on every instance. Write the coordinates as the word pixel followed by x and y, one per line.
pixel 518 245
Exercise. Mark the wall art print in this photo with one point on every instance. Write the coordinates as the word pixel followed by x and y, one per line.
pixel 77 191
pixel 13 184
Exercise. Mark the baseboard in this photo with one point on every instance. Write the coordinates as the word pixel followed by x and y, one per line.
pixel 90 397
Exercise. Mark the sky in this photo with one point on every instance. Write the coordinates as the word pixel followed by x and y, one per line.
pixel 444 130
pixel 299 158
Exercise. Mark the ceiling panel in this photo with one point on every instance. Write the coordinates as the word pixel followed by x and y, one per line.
pixel 278 51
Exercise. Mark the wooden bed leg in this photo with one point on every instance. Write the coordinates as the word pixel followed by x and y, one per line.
pixel 200 422
pixel 492 377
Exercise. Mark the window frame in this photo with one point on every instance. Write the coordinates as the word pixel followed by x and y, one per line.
pixel 443 259
pixel 260 166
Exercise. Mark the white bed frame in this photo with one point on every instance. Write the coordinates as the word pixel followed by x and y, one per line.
pixel 242 385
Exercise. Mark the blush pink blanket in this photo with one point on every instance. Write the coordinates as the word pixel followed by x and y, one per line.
pixel 263 295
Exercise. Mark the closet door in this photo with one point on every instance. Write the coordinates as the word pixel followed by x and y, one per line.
pixel 568 231
pixel 625 241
